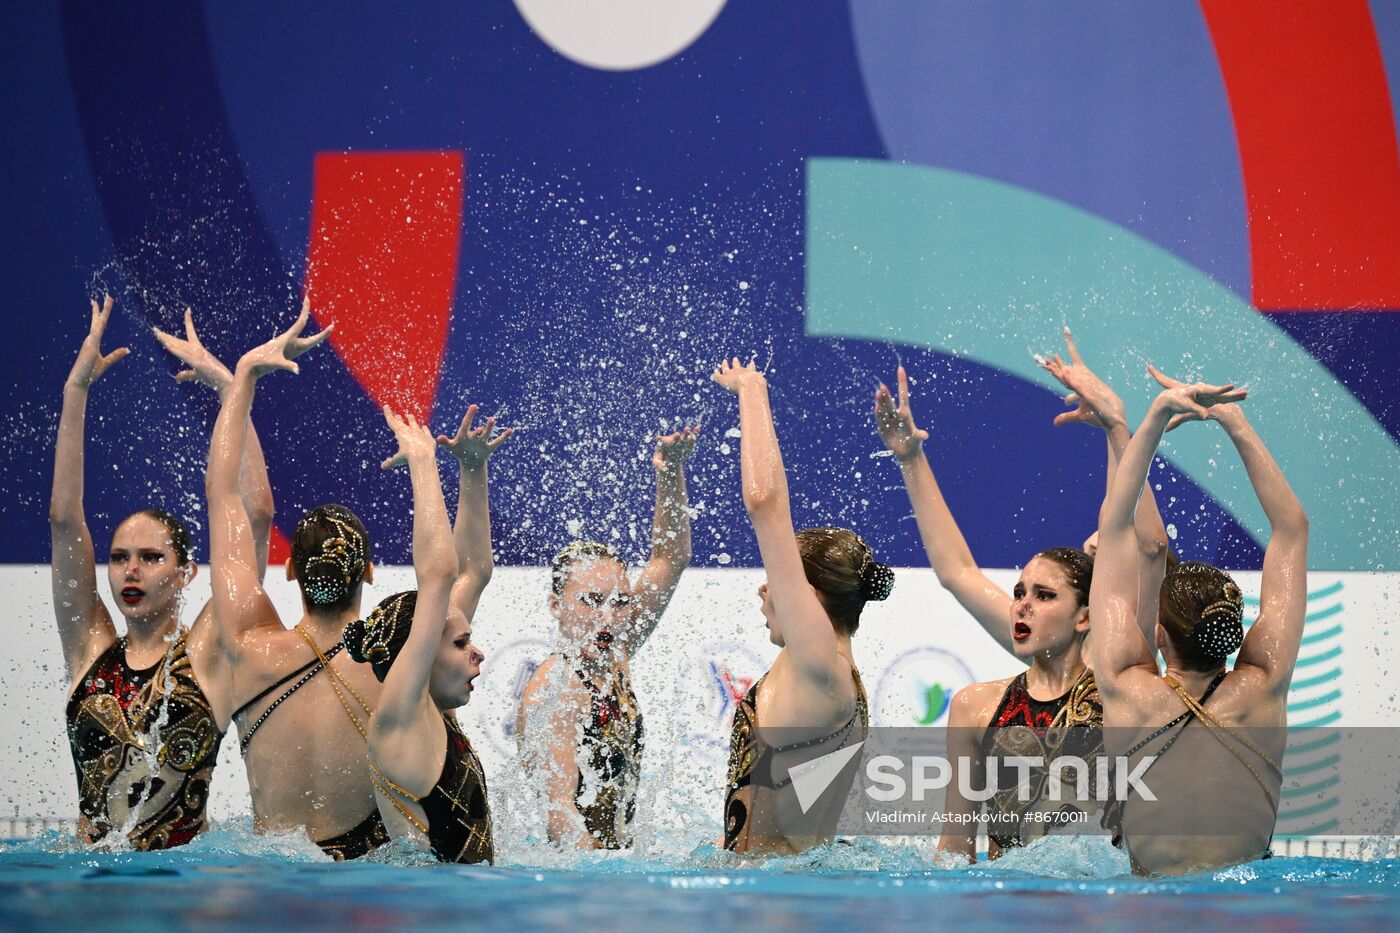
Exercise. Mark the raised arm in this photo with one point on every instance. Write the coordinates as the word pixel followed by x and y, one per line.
pixel 240 603
pixel 670 535
pixel 1271 644
pixel 1099 406
pixel 253 484
pixel 1118 643
pixel 435 567
pixel 471 535
pixel 807 632
pixel 944 543
pixel 83 621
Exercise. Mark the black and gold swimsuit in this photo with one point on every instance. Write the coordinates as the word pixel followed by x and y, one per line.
pixel 1022 726
pixel 752 787
pixel 457 808
pixel 610 761
pixel 144 745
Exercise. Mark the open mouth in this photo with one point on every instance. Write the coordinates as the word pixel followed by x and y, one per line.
pixel 132 595
pixel 605 640
pixel 1020 631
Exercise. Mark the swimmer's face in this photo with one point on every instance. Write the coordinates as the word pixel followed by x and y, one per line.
pixel 594 608
pixel 1045 611
pixel 457 664
pixel 770 618
pixel 1091 544
pixel 145 575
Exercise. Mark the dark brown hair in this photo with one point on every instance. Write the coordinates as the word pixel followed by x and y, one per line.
pixel 330 551
pixel 1202 612
pixel 577 553
pixel 843 570
pixel 180 540
pixel 1077 565
pixel 380 637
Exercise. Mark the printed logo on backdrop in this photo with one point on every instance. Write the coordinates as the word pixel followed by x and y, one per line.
pixel 504 675
pixel 918 686
pixel 1312 759
pixel 710 686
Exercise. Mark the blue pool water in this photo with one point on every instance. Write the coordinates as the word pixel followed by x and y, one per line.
pixel 231 881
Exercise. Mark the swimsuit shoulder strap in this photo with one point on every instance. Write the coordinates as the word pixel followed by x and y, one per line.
pixel 281 681
pixel 841 731
pixel 1224 737
pixel 308 671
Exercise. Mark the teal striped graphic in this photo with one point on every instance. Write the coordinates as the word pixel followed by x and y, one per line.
pixel 1311 762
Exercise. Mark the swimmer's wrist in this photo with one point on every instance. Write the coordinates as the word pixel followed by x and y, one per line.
pixel 911 459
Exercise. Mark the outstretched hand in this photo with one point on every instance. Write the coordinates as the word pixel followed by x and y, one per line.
pixel 279 352
pixel 204 367
pixel 675 449
pixel 414 439
pixel 733 375
pixel 1096 404
pixel 896 423
pixel 91 364
pixel 472 446
pixel 1198 401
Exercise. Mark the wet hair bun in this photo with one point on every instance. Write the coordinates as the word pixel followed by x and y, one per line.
pixel 354 638
pixel 378 638
pixel 1221 629
pixel 876 581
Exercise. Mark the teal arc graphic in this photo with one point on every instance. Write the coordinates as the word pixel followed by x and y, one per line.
pixel 990 272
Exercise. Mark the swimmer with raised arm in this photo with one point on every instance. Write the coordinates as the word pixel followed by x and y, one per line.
pixel 1216 736
pixel 579 722
pixel 428 781
pixel 303 706
pixel 146 710
pixel 1053 706
pixel 811 702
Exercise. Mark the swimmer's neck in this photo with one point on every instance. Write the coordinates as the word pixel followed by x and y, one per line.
pixel 843 648
pixel 328 627
pixel 152 635
pixel 1195 682
pixel 1051 674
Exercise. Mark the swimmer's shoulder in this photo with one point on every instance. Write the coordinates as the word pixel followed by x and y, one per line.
pixel 974 705
pixel 531 695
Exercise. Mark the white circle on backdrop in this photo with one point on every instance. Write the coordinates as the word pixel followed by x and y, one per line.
pixel 619 35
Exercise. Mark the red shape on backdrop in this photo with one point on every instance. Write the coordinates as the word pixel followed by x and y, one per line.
pixel 1312 113
pixel 279 549
pixel 382 266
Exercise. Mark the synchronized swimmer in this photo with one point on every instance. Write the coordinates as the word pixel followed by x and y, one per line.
pixel 380 755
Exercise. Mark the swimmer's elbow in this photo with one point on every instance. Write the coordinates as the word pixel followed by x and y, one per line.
pixel 435 570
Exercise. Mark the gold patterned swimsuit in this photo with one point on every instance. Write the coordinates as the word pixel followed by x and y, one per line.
pixel 144 745
pixel 1023 726
pixel 752 791
pixel 610 756
pixel 458 811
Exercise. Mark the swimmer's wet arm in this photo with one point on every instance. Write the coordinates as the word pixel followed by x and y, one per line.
pixel 1272 642
pixel 670 533
pixel 471 532
pixel 404 699
pixel 83 620
pixel 807 631
pixel 206 369
pixel 1118 643
pixel 549 723
pixel 240 603
pixel 965 715
pixel 1097 405
pixel 947 549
